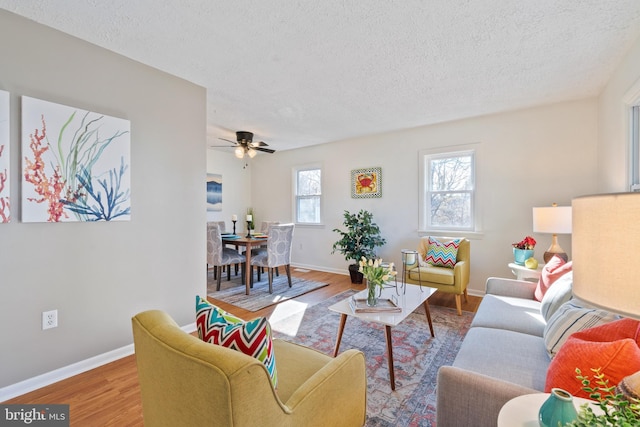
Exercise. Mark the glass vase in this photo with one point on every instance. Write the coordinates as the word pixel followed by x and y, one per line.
pixel 372 293
pixel 558 408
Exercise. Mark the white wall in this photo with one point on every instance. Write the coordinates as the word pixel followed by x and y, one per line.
pixel 527 158
pixel 613 123
pixel 98 275
pixel 236 188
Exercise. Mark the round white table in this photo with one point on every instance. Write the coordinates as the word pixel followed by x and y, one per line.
pixel 523 410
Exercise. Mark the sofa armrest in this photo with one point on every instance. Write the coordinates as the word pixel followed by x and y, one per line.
pixel 511 287
pixel 466 398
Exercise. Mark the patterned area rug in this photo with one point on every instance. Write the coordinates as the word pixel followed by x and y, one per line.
pixel 233 292
pixel 417 356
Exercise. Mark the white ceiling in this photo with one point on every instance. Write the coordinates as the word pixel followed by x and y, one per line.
pixel 299 73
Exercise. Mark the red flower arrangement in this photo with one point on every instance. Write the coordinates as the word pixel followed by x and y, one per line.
pixel 526 243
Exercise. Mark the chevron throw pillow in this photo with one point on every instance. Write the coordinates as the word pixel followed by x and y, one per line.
pixel 253 338
pixel 442 254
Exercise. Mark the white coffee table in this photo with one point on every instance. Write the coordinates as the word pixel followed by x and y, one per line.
pixel 408 300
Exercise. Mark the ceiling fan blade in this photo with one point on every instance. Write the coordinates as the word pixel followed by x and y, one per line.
pixel 266 150
pixel 228 140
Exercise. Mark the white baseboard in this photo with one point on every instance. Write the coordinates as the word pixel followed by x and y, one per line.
pixel 48 378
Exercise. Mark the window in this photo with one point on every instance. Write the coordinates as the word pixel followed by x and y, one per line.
pixel 308 195
pixel 448 191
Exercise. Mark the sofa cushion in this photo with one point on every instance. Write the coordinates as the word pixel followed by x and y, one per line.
pixel 253 338
pixel 556 295
pixel 552 271
pixel 515 314
pixel 507 355
pixel 613 347
pixel 572 316
pixel 442 254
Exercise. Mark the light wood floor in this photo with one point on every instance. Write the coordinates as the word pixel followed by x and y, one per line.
pixel 110 395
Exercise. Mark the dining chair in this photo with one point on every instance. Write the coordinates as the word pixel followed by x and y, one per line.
pixel 264 229
pixel 218 255
pixel 278 253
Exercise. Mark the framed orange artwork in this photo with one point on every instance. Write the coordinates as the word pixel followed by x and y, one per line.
pixel 366 183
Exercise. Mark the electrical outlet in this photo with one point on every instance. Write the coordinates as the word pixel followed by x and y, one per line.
pixel 49 319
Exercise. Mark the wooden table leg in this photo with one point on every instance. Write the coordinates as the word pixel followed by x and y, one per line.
pixel 343 320
pixel 392 375
pixel 428 313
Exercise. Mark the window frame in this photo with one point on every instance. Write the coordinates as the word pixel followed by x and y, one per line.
pixel 295 174
pixel 424 208
pixel 634 147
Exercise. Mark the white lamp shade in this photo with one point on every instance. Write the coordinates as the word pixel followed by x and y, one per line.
pixel 605 249
pixel 552 219
pixel 239 152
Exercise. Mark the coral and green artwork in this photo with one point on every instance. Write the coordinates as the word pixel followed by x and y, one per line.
pixel 5 214
pixel 75 164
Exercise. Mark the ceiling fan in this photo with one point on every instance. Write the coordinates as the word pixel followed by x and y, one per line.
pixel 246 145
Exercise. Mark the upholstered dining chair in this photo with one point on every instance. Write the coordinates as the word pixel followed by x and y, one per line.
pixel 187 382
pixel 264 229
pixel 219 256
pixel 278 253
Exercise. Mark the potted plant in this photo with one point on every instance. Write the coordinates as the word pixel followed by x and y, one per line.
pixel 616 409
pixel 523 250
pixel 359 240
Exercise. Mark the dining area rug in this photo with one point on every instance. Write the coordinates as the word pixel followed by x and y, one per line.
pixel 234 291
pixel 417 356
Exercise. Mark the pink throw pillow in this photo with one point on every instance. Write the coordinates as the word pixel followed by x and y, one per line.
pixel 552 271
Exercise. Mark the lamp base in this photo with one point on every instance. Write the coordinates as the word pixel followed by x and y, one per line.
pixel 548 255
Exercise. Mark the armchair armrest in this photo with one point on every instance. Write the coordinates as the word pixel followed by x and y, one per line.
pixel 337 389
pixel 466 398
pixel 511 287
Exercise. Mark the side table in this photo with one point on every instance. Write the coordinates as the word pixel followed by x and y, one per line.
pixel 523 273
pixel 523 410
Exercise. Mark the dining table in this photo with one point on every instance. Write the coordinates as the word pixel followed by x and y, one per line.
pixel 248 242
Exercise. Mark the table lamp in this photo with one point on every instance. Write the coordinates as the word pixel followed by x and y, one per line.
pixel 555 220
pixel 605 247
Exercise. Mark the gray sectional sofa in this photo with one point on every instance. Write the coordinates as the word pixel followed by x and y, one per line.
pixel 502 356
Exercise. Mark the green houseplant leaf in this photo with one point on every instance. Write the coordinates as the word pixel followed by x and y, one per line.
pixel 360 238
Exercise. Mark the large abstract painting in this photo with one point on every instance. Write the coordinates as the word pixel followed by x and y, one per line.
pixel 214 192
pixel 75 164
pixel 5 214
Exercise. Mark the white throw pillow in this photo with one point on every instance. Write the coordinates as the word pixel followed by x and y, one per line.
pixel 572 316
pixel 556 295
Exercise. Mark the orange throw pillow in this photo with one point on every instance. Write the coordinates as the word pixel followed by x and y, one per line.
pixel 552 271
pixel 613 347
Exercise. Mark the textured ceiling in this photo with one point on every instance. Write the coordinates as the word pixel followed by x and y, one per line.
pixel 299 73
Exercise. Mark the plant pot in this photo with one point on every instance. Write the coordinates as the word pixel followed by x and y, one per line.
pixel 558 409
pixel 521 255
pixel 356 276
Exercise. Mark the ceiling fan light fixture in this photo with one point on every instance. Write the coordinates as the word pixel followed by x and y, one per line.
pixel 252 153
pixel 239 151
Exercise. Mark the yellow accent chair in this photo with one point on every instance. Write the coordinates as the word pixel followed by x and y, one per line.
pixel 190 383
pixel 449 280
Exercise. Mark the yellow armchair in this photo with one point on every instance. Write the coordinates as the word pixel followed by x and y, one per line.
pixel 189 383
pixel 450 280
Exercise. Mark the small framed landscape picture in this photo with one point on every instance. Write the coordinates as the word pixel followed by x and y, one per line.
pixel 214 192
pixel 366 183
